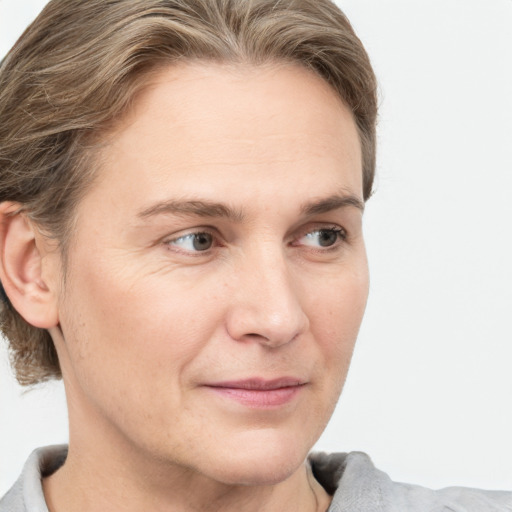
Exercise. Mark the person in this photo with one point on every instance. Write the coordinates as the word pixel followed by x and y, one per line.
pixel 182 189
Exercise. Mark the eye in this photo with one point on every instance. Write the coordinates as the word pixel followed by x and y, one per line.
pixel 193 242
pixel 325 237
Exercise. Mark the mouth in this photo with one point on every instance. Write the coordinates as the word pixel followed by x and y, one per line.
pixel 259 393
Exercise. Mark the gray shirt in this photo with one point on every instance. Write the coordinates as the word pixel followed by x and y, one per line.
pixel 356 484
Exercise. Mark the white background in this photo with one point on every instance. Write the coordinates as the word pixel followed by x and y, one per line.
pixel 429 395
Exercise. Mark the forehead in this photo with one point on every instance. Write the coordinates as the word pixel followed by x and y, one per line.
pixel 205 128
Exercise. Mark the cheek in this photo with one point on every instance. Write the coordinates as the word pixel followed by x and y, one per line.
pixel 335 321
pixel 123 329
pixel 338 307
pixel 129 347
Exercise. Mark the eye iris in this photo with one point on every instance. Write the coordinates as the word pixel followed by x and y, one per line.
pixel 202 241
pixel 327 237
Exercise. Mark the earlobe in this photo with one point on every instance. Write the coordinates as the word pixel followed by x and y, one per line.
pixel 21 268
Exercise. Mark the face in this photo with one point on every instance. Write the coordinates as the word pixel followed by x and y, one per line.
pixel 217 276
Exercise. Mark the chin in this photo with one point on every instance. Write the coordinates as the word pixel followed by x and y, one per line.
pixel 262 460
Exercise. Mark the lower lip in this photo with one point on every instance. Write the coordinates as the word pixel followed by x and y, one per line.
pixel 259 398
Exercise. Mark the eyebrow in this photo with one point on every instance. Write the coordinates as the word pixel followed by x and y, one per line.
pixel 331 203
pixel 220 210
pixel 196 208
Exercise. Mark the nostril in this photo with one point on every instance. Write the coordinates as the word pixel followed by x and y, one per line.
pixel 260 338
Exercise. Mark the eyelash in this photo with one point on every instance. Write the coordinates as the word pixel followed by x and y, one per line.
pixel 339 232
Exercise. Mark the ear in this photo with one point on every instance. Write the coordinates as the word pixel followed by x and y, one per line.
pixel 22 268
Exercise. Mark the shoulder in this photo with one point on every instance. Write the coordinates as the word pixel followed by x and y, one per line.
pixel 358 486
pixel 27 492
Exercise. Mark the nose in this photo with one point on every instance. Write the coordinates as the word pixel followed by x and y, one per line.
pixel 266 304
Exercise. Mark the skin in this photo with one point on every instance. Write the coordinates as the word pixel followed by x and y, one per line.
pixel 144 322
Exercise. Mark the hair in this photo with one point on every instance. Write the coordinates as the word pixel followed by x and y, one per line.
pixel 77 68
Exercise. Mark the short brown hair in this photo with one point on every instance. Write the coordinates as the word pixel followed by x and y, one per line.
pixel 76 69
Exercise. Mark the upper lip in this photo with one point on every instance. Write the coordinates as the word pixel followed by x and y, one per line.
pixel 259 384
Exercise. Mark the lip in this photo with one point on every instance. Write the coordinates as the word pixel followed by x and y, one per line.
pixel 259 393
